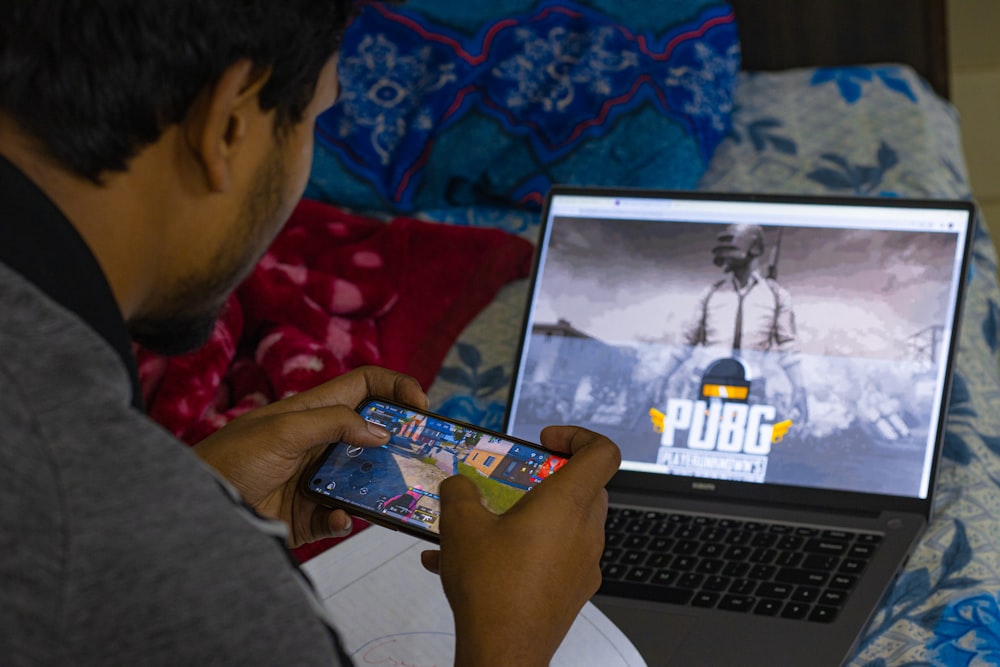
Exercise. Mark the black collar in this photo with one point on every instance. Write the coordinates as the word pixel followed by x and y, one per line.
pixel 37 241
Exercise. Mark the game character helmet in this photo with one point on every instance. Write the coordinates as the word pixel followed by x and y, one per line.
pixel 738 241
pixel 728 379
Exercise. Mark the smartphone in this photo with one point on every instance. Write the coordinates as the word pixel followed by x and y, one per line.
pixel 396 485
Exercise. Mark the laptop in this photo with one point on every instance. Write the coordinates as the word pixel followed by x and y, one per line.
pixel 776 371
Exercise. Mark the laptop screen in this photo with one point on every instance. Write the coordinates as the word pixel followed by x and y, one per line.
pixel 791 342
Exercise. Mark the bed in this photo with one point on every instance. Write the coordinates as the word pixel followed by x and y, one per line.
pixel 799 96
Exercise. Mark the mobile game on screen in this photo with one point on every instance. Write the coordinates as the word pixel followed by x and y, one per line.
pixel 799 355
pixel 401 478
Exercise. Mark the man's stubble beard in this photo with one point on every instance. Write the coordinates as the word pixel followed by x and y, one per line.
pixel 185 318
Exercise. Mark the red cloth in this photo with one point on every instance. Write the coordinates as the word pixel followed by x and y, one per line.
pixel 335 291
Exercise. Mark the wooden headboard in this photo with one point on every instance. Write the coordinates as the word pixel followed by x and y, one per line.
pixel 781 34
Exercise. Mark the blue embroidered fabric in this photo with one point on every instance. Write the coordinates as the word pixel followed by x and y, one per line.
pixel 495 102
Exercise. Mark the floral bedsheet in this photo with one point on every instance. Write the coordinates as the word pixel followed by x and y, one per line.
pixel 868 131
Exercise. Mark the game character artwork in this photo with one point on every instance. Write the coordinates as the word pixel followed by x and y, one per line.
pixel 401 478
pixel 805 356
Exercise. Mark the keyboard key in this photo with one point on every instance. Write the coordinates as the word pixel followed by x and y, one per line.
pixel 613 571
pixel 761 572
pixel 790 542
pixel 716 583
pixel 763 556
pixel 690 580
pixel 770 589
pixel 790 575
pixel 843 581
pixel 764 540
pixel 768 607
pixel 788 559
pixel 661 529
pixel 736 569
pixel 687 532
pixel 710 566
pixel 806 594
pixel 686 547
pixel 820 562
pixel 704 599
pixel 736 603
pixel 853 565
pixel 637 527
pixel 664 578
pixel 837 535
pixel 743 587
pixel 613 539
pixel 795 610
pixel 633 557
pixel 832 598
pixel 684 563
pixel 711 550
pixel 714 534
pixel 823 614
pixel 737 553
pixel 659 561
pixel 825 546
pixel 667 594
pixel 639 575
pixel 869 538
pixel 862 551
pixel 741 537
pixel 661 544
pixel 635 542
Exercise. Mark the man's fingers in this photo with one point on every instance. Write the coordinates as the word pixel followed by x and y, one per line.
pixel 594 458
pixel 322 522
pixel 402 388
pixel 354 386
pixel 431 560
pixel 461 503
pixel 298 432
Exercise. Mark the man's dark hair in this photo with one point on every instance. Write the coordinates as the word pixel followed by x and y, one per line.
pixel 95 81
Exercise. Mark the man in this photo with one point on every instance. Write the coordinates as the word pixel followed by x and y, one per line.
pixel 150 152
pixel 745 312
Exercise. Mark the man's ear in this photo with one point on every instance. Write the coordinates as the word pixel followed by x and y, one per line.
pixel 216 127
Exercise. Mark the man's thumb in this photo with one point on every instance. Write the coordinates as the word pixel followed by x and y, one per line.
pixel 460 498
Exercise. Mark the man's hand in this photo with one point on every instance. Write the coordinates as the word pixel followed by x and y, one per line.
pixel 264 452
pixel 516 582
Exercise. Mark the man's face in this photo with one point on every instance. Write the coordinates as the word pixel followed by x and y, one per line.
pixel 185 320
pixel 185 315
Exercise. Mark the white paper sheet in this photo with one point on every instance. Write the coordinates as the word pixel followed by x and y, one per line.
pixel 388 610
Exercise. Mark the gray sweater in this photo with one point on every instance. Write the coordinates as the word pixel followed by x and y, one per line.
pixel 117 545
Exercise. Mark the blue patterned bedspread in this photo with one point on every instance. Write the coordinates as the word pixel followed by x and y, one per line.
pixel 496 101
pixel 872 131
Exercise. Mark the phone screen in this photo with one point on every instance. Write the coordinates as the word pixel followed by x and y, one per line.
pixel 397 484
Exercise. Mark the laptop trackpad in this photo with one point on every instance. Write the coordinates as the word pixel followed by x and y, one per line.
pixel 653 631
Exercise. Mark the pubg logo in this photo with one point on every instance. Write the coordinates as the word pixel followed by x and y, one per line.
pixel 725 435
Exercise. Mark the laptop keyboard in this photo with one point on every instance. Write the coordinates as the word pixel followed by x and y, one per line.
pixel 773 569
